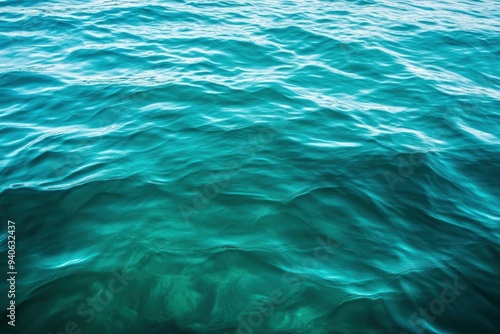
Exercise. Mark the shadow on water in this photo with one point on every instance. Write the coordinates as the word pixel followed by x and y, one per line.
pixel 172 328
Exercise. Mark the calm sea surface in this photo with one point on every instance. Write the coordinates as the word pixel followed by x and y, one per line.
pixel 248 167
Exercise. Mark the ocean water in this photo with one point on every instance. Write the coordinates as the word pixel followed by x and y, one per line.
pixel 243 167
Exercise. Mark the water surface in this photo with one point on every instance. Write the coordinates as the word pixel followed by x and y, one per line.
pixel 251 166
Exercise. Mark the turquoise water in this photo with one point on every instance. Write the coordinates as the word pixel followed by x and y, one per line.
pixel 251 167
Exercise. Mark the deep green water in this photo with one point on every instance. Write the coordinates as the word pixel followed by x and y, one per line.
pixel 242 167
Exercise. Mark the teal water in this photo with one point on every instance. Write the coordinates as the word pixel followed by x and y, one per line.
pixel 251 166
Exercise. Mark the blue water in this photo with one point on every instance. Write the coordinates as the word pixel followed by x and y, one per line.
pixel 242 167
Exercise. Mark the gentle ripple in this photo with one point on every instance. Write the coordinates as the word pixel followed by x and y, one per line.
pixel 252 167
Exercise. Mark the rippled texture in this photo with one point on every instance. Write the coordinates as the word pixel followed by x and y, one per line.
pixel 251 167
